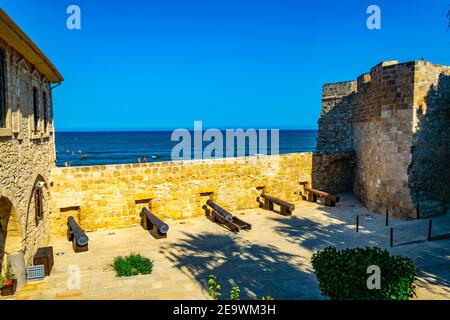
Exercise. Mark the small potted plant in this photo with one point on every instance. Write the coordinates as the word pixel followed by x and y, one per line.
pixel 8 283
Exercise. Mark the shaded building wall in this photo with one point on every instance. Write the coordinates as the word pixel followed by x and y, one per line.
pixel 429 172
pixel 26 156
pixel 335 131
pixel 395 120
pixel 333 165
pixel 333 171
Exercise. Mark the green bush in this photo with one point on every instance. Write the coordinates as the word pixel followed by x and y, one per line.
pixel 343 274
pixel 234 293
pixel 213 287
pixel 132 265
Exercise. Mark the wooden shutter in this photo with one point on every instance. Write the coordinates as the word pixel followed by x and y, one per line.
pixel 44 102
pixel 35 109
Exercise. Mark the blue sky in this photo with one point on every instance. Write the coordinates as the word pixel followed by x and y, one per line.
pixel 148 65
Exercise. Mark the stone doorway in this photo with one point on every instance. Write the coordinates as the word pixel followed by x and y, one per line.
pixel 10 235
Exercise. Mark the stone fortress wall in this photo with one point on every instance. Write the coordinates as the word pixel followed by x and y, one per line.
pixel 26 157
pixel 395 120
pixel 113 196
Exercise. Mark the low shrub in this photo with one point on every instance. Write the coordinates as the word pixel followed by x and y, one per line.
pixel 343 274
pixel 213 287
pixel 132 265
pixel 234 293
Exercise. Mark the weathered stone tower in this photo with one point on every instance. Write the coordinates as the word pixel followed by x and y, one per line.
pixel 27 149
pixel 396 121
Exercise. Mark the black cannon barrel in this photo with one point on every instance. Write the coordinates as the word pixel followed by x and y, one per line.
pixel 279 202
pixel 220 210
pixel 325 195
pixel 79 235
pixel 162 227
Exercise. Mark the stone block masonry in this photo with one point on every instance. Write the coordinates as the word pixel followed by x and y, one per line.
pixel 27 148
pixel 429 173
pixel 336 131
pixel 27 154
pixel 113 196
pixel 400 146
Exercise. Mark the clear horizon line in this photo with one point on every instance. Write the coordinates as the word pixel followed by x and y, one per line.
pixel 169 130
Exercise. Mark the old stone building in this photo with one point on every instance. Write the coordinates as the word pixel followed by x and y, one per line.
pixel 396 121
pixel 27 148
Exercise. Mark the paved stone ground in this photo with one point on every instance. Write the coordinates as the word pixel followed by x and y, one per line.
pixel 272 259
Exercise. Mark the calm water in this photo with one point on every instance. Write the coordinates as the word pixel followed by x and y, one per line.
pixel 100 148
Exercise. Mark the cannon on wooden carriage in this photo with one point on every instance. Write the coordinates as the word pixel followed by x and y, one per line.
pixel 225 218
pixel 80 240
pixel 286 208
pixel 313 194
pixel 157 228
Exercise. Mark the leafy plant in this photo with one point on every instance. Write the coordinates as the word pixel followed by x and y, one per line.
pixel 132 265
pixel 2 281
pixel 234 294
pixel 9 275
pixel 343 274
pixel 214 290
pixel 213 287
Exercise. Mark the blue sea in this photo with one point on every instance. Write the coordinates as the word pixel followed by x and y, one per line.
pixel 103 148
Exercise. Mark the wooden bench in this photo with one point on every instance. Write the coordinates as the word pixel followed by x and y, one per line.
pixel 313 194
pixel 223 217
pixel 158 229
pixel 286 208
pixel 77 235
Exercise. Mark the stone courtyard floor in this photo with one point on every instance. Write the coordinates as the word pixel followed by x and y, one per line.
pixel 272 259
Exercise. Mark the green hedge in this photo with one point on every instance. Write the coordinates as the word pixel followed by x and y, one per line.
pixel 343 274
pixel 132 265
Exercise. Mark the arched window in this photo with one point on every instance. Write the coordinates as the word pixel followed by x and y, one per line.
pixel 39 202
pixel 35 109
pixel 45 106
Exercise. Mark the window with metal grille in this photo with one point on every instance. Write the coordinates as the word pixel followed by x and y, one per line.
pixel 2 90
pixel 39 204
pixel 45 106
pixel 35 108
